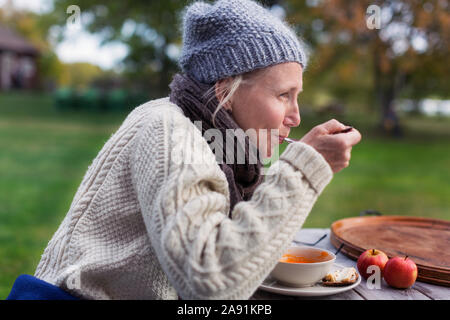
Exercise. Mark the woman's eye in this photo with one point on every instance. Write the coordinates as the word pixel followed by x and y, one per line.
pixel 285 95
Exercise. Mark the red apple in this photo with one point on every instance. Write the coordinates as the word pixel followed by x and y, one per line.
pixel 371 257
pixel 400 272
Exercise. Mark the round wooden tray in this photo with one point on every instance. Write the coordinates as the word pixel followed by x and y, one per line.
pixel 426 241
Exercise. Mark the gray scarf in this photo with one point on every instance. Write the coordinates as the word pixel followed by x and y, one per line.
pixel 188 94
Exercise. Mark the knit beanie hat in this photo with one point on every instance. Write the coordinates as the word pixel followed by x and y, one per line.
pixel 232 37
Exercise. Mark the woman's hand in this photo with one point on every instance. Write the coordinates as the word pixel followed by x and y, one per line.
pixel 335 148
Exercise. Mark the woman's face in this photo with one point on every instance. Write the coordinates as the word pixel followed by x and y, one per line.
pixel 269 101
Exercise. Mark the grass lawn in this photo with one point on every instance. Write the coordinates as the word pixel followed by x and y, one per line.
pixel 45 153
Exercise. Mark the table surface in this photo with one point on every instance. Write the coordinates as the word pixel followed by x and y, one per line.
pixel 419 291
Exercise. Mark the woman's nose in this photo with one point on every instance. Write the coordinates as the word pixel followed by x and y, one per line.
pixel 293 117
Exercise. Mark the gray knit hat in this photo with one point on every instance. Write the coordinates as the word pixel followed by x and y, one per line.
pixel 232 37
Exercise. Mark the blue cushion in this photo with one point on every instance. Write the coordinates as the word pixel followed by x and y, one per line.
pixel 27 287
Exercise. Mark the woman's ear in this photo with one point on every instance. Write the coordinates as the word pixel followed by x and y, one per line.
pixel 222 89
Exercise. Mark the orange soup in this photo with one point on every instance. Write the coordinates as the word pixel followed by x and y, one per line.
pixel 291 258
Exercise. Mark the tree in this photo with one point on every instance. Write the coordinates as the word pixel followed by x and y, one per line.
pixel 151 29
pixel 406 56
pixel 79 75
pixel 407 53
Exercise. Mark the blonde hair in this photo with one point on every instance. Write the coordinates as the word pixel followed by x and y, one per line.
pixel 230 90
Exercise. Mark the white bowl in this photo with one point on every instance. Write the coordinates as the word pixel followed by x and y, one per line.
pixel 304 274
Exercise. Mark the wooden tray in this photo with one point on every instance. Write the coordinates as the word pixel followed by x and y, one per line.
pixel 426 241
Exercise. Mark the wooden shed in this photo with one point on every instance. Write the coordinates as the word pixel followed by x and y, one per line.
pixel 18 67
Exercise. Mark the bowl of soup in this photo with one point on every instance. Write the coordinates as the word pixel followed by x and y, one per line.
pixel 303 266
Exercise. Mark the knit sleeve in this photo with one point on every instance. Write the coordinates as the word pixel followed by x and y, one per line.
pixel 184 200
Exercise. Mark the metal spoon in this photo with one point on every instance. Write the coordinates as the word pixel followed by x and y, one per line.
pixel 289 140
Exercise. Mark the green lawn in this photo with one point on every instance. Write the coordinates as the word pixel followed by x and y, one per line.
pixel 45 153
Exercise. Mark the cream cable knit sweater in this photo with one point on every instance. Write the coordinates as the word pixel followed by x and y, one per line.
pixel 147 223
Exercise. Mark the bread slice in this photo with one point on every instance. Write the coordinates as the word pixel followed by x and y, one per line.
pixel 343 277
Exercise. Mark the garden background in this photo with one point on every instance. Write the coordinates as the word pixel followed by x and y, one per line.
pixel 390 83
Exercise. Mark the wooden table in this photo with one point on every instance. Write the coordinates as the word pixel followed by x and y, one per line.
pixel 419 291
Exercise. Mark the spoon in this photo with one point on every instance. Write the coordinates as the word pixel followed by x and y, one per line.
pixel 289 140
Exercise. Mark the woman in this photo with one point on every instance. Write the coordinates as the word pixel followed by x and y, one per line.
pixel 149 221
